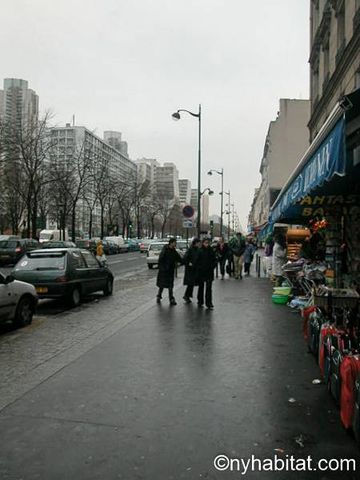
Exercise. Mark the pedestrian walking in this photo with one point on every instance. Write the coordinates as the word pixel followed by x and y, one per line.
pixel 100 255
pixel 237 246
pixel 222 252
pixel 248 256
pixel 191 260
pixel 168 259
pixel 206 265
pixel 279 258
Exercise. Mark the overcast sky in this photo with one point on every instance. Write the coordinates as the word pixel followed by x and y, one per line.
pixel 128 64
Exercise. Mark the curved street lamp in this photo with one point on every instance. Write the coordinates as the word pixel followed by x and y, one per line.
pixel 176 116
pixel 220 172
pixel 210 192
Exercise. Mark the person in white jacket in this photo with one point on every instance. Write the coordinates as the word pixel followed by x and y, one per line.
pixel 279 257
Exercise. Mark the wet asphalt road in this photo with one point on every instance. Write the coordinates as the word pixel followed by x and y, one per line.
pixel 158 392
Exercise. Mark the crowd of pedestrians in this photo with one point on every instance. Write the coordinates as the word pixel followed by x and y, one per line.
pixel 200 261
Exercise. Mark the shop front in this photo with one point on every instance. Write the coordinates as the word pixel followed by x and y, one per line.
pixel 322 280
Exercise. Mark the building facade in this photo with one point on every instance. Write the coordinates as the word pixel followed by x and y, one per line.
pixel 334 56
pixel 184 191
pixel 19 104
pixel 286 141
pixel 76 143
pixel 167 182
pixel 113 138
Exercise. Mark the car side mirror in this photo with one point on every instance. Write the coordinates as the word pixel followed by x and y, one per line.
pixel 9 279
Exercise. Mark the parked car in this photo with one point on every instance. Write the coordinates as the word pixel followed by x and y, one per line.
pixel 130 245
pixel 110 248
pixel 87 244
pixel 12 250
pixel 68 273
pixel 49 235
pixel 17 301
pixel 181 246
pixel 58 244
pixel 153 253
pixel 118 240
pixel 144 245
pixel 9 237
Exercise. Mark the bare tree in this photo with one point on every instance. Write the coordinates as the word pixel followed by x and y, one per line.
pixel 25 157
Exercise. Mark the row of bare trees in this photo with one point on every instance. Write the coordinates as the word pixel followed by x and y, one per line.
pixel 38 183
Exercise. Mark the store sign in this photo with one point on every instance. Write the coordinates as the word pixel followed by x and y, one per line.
pixel 322 205
pixel 327 161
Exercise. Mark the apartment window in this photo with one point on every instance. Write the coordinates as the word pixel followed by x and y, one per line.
pixel 315 84
pixel 357 77
pixel 326 62
pixel 341 28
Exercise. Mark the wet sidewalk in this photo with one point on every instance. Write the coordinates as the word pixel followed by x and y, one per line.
pixel 177 386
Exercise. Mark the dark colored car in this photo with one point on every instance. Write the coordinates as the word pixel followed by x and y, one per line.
pixel 65 272
pixel 110 248
pixel 87 244
pixel 58 244
pixel 12 250
pixel 133 245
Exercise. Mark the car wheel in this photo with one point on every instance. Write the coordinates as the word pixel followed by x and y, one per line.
pixel 108 290
pixel 150 265
pixel 24 312
pixel 75 297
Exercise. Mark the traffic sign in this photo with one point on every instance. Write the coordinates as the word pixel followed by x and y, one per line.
pixel 188 211
pixel 187 223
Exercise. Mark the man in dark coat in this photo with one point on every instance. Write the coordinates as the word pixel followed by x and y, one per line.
pixel 206 265
pixel 222 252
pixel 191 259
pixel 168 259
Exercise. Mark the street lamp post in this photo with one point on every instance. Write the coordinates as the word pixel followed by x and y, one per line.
pixel 220 172
pixel 176 116
pixel 228 213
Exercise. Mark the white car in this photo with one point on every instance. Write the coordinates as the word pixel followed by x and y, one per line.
pixel 18 301
pixel 153 253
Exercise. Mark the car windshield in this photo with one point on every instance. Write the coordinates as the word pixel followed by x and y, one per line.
pixel 8 243
pixel 45 236
pixel 42 261
pixel 157 246
pixel 82 243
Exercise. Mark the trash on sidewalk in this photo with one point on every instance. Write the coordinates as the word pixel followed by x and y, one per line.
pixel 292 400
pixel 279 450
pixel 316 381
pixel 300 441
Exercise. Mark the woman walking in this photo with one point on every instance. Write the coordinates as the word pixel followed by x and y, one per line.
pixel 206 265
pixel 191 259
pixel 222 251
pixel 168 259
pixel 248 256
pixel 279 257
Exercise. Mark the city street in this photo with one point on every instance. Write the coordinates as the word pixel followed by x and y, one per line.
pixel 124 388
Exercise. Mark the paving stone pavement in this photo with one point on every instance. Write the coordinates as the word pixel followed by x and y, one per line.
pixel 58 335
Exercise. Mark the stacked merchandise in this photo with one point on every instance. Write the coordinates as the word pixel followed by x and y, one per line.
pixel 332 331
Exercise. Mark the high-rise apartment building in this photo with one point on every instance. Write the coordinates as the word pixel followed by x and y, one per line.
pixel 113 138
pixel 68 142
pixel 184 191
pixel 19 104
pixel 167 182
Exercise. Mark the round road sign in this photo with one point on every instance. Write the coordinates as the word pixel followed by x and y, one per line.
pixel 188 211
